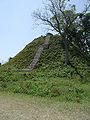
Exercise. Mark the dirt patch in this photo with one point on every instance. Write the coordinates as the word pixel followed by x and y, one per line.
pixel 23 108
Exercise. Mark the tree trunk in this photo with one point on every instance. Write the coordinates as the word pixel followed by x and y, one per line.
pixel 66 51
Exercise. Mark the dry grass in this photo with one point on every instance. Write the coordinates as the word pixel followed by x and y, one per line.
pixel 20 107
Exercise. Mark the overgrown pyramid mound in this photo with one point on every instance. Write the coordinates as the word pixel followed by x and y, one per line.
pixel 52 57
pixel 49 76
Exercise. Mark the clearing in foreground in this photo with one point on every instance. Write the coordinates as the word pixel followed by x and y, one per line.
pixel 21 107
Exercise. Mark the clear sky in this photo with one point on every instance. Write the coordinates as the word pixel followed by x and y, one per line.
pixel 16 25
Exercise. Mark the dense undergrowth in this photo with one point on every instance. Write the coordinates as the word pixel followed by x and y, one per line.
pixel 50 77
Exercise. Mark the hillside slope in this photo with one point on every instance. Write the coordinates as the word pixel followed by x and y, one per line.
pixel 25 57
pixel 51 57
pixel 50 77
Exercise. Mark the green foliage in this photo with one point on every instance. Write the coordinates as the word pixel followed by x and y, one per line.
pixel 24 58
pixel 51 77
pixel 86 22
pixel 44 83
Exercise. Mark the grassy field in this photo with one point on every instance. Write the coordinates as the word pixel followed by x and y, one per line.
pixel 45 83
pixel 24 107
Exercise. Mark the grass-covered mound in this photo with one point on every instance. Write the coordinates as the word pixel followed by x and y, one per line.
pixel 25 57
pixel 51 77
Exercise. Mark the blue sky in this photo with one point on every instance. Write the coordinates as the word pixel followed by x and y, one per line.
pixel 16 25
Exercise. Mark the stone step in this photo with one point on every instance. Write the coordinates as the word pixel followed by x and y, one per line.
pixel 38 53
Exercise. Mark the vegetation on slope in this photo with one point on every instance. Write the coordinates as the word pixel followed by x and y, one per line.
pixel 24 58
pixel 53 59
pixel 51 77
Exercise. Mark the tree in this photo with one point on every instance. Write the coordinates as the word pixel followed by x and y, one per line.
pixel 86 32
pixel 59 18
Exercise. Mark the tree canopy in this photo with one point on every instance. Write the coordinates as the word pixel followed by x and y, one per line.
pixel 62 17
